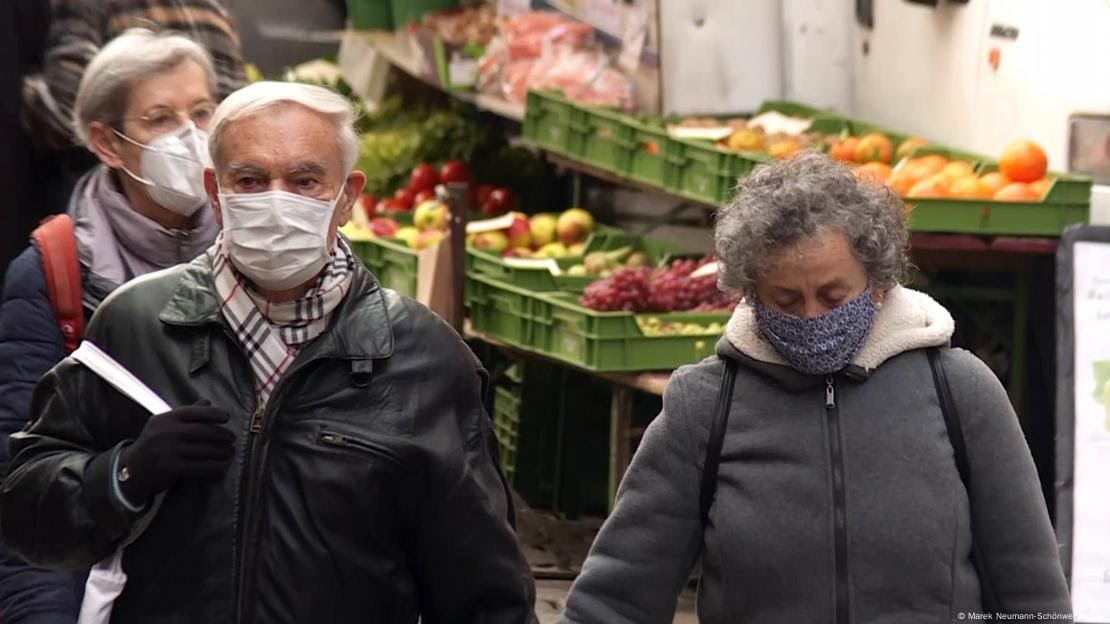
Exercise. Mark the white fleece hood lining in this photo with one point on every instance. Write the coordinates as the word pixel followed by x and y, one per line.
pixel 907 320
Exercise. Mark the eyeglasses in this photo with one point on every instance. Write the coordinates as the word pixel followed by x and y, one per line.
pixel 162 120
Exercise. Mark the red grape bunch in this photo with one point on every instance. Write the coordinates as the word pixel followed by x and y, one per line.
pixel 666 289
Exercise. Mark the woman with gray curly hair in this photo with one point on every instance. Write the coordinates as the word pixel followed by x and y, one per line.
pixel 834 461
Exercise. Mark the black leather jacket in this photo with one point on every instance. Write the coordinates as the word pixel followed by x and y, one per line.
pixel 368 493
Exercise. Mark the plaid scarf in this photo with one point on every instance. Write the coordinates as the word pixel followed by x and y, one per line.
pixel 272 333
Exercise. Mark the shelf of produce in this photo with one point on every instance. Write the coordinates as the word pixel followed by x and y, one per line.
pixel 621 432
pixel 399 49
pixel 571 164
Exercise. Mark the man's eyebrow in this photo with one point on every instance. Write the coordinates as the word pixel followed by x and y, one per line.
pixel 248 169
pixel 314 167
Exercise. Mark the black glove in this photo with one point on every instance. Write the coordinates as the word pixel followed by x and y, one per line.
pixel 187 442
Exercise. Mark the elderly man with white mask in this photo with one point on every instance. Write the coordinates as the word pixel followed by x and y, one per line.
pixel 328 458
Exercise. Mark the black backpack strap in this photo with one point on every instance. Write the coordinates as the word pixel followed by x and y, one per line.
pixel 717 439
pixel 959 447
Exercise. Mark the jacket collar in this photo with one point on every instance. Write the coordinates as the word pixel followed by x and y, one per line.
pixel 908 320
pixel 359 328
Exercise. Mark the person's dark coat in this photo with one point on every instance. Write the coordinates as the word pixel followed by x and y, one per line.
pixel 369 492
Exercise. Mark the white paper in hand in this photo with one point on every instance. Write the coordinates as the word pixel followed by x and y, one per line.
pixel 107 579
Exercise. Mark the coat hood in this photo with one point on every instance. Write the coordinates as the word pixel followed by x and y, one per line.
pixel 907 320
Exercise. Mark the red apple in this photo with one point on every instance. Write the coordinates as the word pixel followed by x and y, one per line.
pixel 389 205
pixel 424 178
pixel 520 232
pixel 384 226
pixel 422 197
pixel 454 171
pixel 482 194
pixel 500 201
pixel 405 197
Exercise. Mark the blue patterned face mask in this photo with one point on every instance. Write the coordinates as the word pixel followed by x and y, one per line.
pixel 823 344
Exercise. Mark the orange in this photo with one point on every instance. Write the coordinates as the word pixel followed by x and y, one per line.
pixel 1040 187
pixel 957 169
pixel 901 182
pixel 933 162
pixel 1016 191
pixel 1023 161
pixel 970 187
pixel 876 172
pixel 908 146
pixel 844 150
pixel 994 181
pixel 874 147
pixel 928 188
pixel 783 149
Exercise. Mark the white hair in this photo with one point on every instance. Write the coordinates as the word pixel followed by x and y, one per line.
pixel 134 55
pixel 255 98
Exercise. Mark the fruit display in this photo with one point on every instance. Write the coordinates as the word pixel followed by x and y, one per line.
pixel 1020 176
pixel 664 289
pixel 654 326
pixel 771 133
pixel 470 26
pixel 543 235
pixel 604 263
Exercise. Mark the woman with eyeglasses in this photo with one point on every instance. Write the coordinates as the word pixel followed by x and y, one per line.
pixel 142 109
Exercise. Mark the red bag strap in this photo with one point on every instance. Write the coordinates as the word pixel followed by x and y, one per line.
pixel 58 249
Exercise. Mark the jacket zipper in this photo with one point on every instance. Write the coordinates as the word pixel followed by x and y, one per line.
pixel 249 492
pixel 342 440
pixel 840 518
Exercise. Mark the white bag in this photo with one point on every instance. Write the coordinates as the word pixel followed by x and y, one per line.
pixel 107 578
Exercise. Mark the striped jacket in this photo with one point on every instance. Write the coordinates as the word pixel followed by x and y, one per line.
pixel 80 27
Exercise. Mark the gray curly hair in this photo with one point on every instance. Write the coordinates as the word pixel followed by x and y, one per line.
pixel 782 203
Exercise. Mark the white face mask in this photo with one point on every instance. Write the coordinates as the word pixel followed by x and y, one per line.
pixel 277 239
pixel 173 168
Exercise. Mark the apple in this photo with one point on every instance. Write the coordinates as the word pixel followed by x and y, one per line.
pixel 422 196
pixel 384 226
pixel 405 197
pixel 427 238
pixel 576 249
pixel 454 171
pixel 543 229
pixel 408 234
pixel 424 178
pixel 500 201
pixel 552 250
pixel 389 205
pixel 519 232
pixel 482 194
pixel 574 225
pixel 493 241
pixel 517 252
pixel 430 215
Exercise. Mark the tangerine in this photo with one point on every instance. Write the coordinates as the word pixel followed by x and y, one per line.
pixel 875 172
pixel 908 146
pixel 1040 187
pixel 1016 191
pixel 1023 161
pixel 994 180
pixel 933 162
pixel 970 187
pixel 874 147
pixel 844 150
pixel 928 188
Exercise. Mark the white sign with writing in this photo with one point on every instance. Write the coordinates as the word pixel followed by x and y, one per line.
pixel 1091 527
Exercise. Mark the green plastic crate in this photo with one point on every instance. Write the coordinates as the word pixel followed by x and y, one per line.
pixel 391 261
pixel 406 12
pixel 1067 201
pixel 648 159
pixel 490 264
pixel 503 311
pixel 548 117
pixel 526 422
pixel 613 341
pixel 370 14
pixel 603 138
pixel 703 171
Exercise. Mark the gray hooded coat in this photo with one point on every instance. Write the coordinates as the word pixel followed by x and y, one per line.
pixel 849 513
